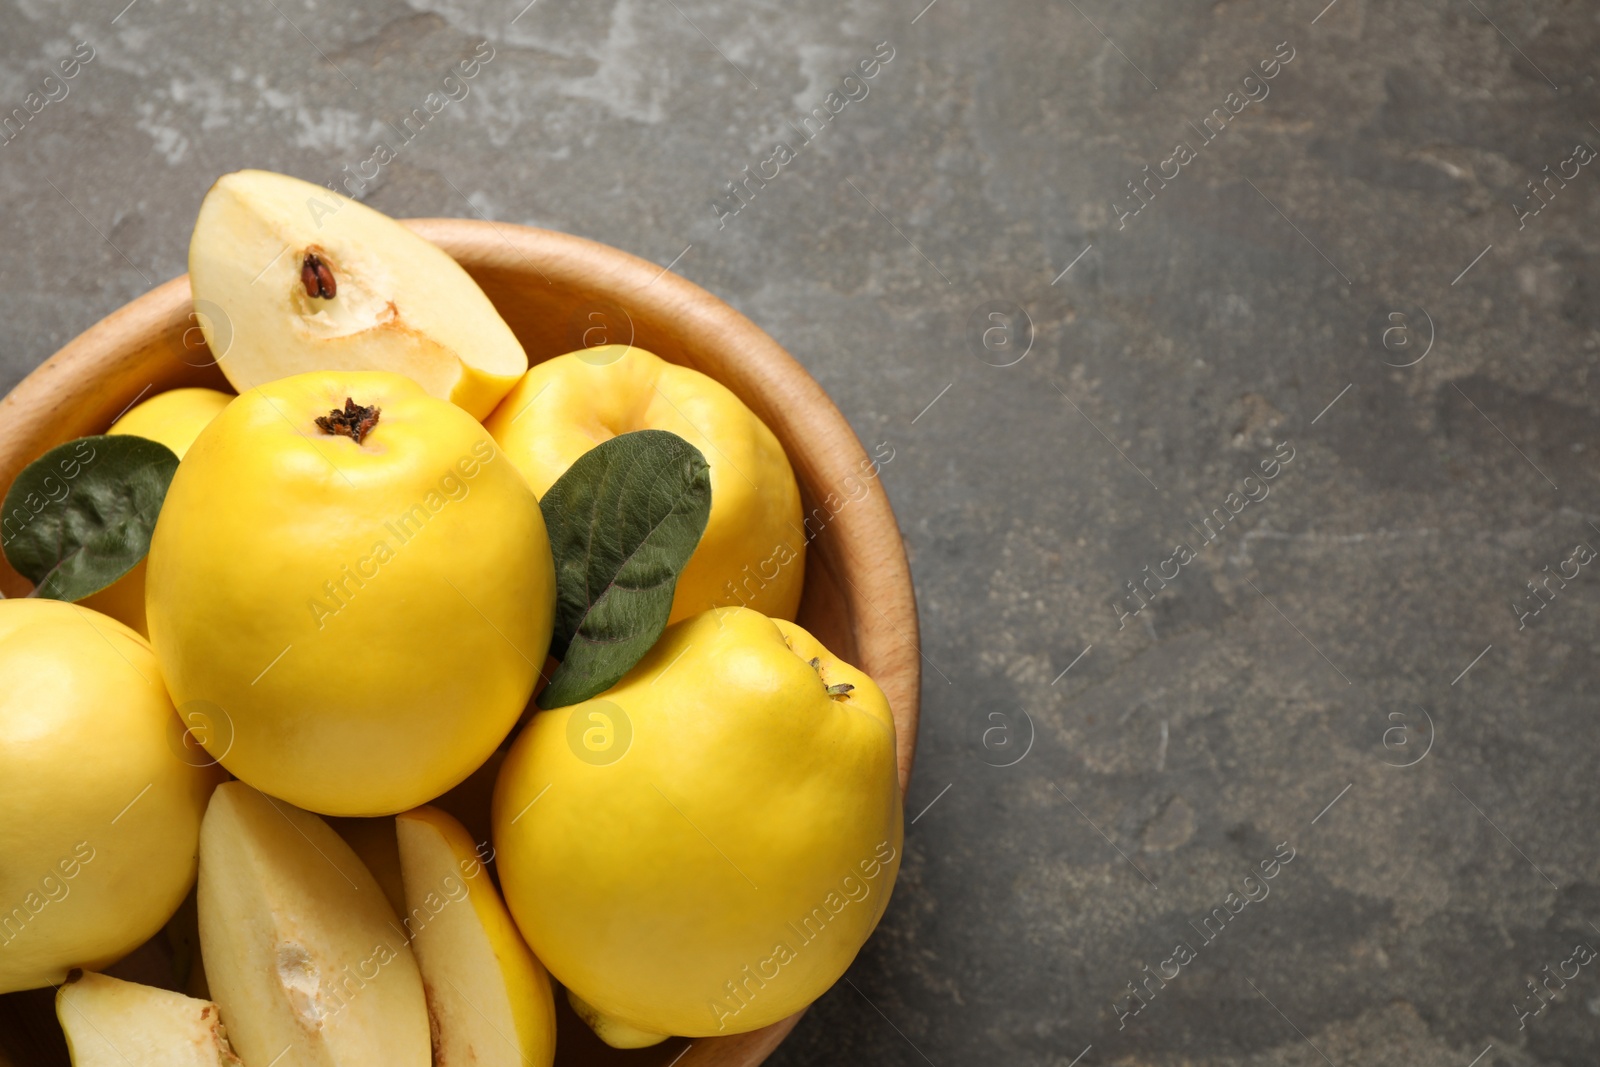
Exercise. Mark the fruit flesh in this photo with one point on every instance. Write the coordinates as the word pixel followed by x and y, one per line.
pixel 112 1023
pixel 753 549
pixel 365 619
pixel 97 849
pixel 401 304
pixel 489 998
pixel 304 955
pixel 722 871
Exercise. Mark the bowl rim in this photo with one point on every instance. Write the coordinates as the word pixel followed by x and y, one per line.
pixel 85 384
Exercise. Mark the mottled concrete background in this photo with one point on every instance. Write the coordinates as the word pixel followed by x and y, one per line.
pixel 1350 275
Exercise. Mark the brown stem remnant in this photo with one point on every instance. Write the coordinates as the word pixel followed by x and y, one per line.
pixel 354 422
pixel 317 277
pixel 836 691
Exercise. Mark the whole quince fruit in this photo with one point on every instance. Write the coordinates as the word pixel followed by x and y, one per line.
pixel 753 550
pixel 102 800
pixel 720 833
pixel 174 418
pixel 352 587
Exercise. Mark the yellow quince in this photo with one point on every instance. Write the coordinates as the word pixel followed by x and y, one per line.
pixel 102 799
pixel 174 418
pixel 753 550
pixel 352 588
pixel 703 848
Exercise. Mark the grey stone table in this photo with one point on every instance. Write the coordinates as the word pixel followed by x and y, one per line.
pixel 1235 357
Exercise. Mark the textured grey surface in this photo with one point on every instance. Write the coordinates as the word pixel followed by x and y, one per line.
pixel 1285 665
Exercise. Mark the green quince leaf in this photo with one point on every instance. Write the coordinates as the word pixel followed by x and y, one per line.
pixel 623 521
pixel 80 516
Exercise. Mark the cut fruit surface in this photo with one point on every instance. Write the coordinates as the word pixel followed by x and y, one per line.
pixel 304 955
pixel 290 277
pixel 112 1023
pixel 489 998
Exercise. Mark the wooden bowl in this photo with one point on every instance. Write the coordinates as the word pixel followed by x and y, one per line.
pixel 559 293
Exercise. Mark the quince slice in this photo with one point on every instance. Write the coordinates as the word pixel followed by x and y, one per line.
pixel 290 277
pixel 112 1023
pixel 488 996
pixel 303 953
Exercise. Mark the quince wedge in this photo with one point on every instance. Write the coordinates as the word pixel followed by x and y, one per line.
pixel 290 277
pixel 703 848
pixel 355 594
pixel 112 1023
pixel 304 955
pixel 488 997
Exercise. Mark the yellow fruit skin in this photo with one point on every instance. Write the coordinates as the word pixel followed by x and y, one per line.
pixel 102 817
pixel 174 419
pixel 359 622
pixel 723 872
pixel 753 550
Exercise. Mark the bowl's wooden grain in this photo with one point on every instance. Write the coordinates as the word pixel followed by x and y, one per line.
pixel 558 293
